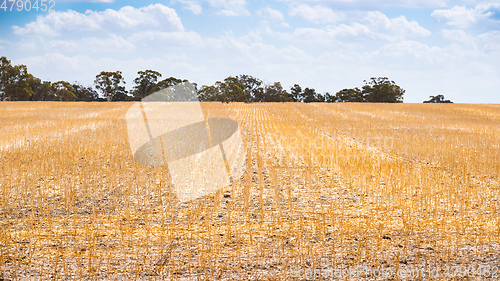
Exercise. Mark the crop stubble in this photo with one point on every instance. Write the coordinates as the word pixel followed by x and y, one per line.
pixel 325 185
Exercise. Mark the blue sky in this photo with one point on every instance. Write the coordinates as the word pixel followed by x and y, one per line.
pixel 428 47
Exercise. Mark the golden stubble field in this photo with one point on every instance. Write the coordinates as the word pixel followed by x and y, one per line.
pixel 327 186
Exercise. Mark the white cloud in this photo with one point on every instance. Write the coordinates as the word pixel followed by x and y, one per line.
pixel 491 36
pixel 396 27
pixel 127 20
pixel 148 43
pixel 316 14
pixel 3 43
pixel 374 26
pixel 155 39
pixel 491 44
pixel 222 7
pixel 457 16
pixel 230 7
pixel 92 45
pixel 463 17
pixel 55 23
pixel 375 4
pixel 192 5
pixel 270 13
pixel 457 35
pixel 420 51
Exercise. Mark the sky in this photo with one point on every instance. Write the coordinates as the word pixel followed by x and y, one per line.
pixel 428 47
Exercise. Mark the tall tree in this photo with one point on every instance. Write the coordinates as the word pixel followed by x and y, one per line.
pixel 310 95
pixel 64 91
pixel 210 93
pixel 145 84
pixel 121 94
pixel 83 93
pixel 382 89
pixel 252 87
pixel 184 91
pixel 243 88
pixel 14 81
pixel 36 87
pixel 109 83
pixel 19 88
pixel 6 76
pixel 233 90
pixel 169 82
pixel 42 91
pixel 349 95
pixel 330 98
pixel 276 93
pixel 296 92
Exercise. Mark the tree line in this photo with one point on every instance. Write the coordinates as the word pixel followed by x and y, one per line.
pixel 245 88
pixel 17 84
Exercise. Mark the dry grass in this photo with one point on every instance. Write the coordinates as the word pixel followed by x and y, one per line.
pixel 335 185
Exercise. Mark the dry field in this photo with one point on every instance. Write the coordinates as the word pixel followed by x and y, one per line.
pixel 327 186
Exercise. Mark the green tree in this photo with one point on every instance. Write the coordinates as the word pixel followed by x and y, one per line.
pixel 349 95
pixel 83 93
pixel 169 82
pixel 14 81
pixel 109 83
pixel 252 87
pixel 122 95
pixel 64 91
pixel 296 92
pixel 330 98
pixel 42 91
pixel 19 88
pixel 276 93
pixel 259 95
pixel 146 83
pixel 184 91
pixel 243 88
pixel 17 84
pixel 437 99
pixel 310 95
pixel 7 75
pixel 210 93
pixel 231 90
pixel 381 89
pixel 36 87
pixel 240 88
